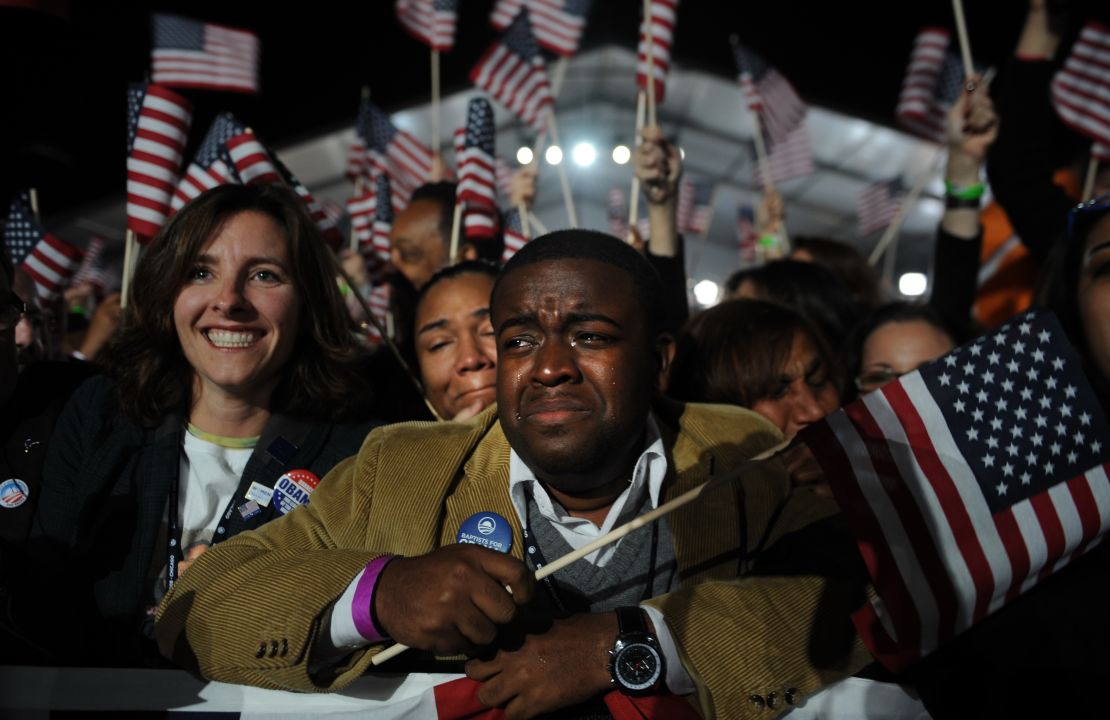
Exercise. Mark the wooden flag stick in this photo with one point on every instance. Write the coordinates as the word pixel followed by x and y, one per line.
pixel 1089 182
pixel 456 224
pixel 33 196
pixel 761 152
pixel 617 533
pixel 568 198
pixel 649 63
pixel 129 252
pixel 634 193
pixel 965 44
pixel 435 101
pixel 895 225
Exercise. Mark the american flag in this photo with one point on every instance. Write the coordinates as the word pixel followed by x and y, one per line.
pixel 48 260
pixel 91 270
pixel 1081 89
pixel 358 166
pixel 878 204
pixel 193 54
pixel 432 22
pixel 664 15
pixel 695 196
pixel 558 24
pixel 769 93
pixel 157 130
pixel 789 159
pixel 406 160
pixel 515 238
pixel 618 214
pixel 211 165
pixel 968 481
pixel 476 165
pixel 512 71
pixel 383 216
pixel 933 81
pixel 361 209
pixel 745 236
pixel 379 302
pixel 503 174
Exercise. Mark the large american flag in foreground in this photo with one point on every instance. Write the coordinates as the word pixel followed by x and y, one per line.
pixel 968 482
pixel 157 130
pixel 934 79
pixel 193 54
pixel 1081 89
pixel 513 72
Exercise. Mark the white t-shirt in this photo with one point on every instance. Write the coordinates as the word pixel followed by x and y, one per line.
pixel 209 477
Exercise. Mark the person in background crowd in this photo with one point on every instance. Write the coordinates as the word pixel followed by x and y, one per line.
pixel 757 355
pixel 846 262
pixel 232 387
pixel 896 339
pixel 455 343
pixel 808 289
pixel 31 398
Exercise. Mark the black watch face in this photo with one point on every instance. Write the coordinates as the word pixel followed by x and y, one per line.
pixel 637 666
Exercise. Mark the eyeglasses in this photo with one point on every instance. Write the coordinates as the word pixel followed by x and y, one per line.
pixel 1084 214
pixel 11 312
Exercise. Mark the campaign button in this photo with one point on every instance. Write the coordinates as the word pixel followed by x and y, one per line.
pixel 13 493
pixel 487 529
pixel 260 493
pixel 293 490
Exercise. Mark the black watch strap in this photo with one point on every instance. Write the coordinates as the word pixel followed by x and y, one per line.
pixel 630 619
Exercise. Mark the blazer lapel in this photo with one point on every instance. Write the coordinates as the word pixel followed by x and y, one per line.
pixel 707 533
pixel 484 488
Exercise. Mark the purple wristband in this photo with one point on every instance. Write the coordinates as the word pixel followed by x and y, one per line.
pixel 362 609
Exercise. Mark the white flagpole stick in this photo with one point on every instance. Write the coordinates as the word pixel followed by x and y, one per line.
pixel 456 224
pixel 761 152
pixel 892 230
pixel 649 29
pixel 435 101
pixel 568 198
pixel 525 225
pixel 1089 182
pixel 965 44
pixel 617 533
pixel 129 251
pixel 536 224
pixel 33 196
pixel 890 259
pixel 634 193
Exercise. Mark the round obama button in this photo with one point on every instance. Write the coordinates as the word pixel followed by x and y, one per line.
pixel 293 489
pixel 487 529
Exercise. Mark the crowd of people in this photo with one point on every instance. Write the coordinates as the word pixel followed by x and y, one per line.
pixel 224 475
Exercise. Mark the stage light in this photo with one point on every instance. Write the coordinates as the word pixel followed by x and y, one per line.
pixel 681 154
pixel 553 155
pixel 912 284
pixel 621 154
pixel 524 155
pixel 584 154
pixel 707 293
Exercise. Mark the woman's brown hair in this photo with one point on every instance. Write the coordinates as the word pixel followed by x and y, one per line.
pixel 153 377
pixel 734 352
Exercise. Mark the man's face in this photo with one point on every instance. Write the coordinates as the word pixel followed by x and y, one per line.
pixel 417 246
pixel 575 370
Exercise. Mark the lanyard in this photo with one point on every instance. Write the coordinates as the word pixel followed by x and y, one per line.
pixel 536 557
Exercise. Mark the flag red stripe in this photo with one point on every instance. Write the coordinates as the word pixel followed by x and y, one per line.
pixel 1053 531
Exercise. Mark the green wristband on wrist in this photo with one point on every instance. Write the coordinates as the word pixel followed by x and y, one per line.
pixel 964 192
pixel 768 240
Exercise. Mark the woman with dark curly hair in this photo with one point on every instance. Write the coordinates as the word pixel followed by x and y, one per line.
pixel 232 388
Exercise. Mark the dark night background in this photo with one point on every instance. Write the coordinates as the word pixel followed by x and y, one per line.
pixel 63 123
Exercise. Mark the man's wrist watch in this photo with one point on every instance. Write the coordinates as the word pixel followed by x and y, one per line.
pixel 635 662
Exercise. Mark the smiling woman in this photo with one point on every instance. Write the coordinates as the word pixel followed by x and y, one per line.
pixel 228 396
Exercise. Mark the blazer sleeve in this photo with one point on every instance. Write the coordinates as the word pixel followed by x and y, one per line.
pixel 249 610
pixel 782 629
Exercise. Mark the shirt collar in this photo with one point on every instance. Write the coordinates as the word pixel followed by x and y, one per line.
pixel 648 474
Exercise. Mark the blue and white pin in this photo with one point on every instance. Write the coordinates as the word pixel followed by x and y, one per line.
pixel 487 529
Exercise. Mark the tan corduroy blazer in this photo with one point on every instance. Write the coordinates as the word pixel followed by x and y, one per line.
pixel 248 611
